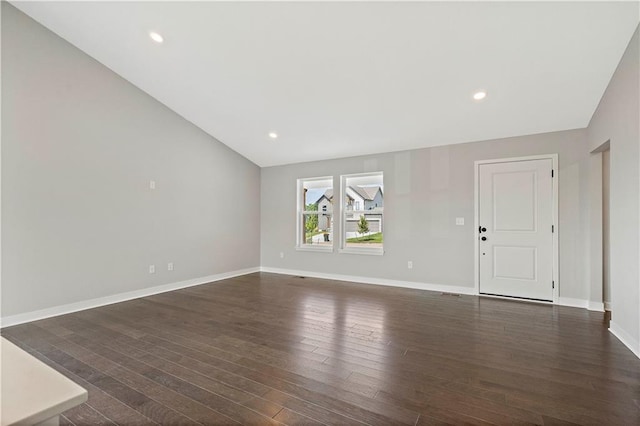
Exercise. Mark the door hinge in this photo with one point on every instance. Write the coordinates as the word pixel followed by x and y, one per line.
pixel 553 284
pixel 551 172
pixel 553 229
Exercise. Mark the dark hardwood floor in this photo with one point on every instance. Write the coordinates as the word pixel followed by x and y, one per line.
pixel 271 349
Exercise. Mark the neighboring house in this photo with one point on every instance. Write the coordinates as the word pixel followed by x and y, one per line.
pixel 364 197
pixel 325 210
pixel 367 201
pixel 362 200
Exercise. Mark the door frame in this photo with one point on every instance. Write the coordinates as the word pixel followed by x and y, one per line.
pixel 554 209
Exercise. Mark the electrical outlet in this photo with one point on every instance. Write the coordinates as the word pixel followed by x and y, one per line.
pixel 460 221
pixel 410 264
pixel 152 269
pixel 152 184
pixel 281 255
pixel 170 266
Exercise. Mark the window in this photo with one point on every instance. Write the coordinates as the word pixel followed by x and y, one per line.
pixel 315 214
pixel 363 213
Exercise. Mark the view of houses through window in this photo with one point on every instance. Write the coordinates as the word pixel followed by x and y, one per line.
pixel 363 206
pixel 316 217
pixel 362 212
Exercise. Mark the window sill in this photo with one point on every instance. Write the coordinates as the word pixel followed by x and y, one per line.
pixel 320 249
pixel 378 251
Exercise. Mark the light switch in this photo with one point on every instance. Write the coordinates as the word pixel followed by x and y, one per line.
pixel 152 184
pixel 459 221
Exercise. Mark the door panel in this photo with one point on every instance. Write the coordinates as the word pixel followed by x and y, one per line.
pixel 514 201
pixel 516 208
pixel 515 262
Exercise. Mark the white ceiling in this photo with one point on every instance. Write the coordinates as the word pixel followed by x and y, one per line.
pixel 343 79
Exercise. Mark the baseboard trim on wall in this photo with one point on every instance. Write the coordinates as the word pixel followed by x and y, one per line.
pixel 574 303
pixel 374 281
pixel 120 297
pixel 625 338
pixel 581 303
pixel 562 301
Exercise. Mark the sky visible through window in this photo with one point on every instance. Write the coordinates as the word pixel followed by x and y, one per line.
pixel 314 194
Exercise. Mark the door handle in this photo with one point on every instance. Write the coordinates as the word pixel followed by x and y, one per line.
pixel 482 229
pixel 484 238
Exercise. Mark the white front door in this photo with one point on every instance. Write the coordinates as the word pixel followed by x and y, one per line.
pixel 515 233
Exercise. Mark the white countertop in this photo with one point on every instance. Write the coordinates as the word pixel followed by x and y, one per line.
pixel 32 391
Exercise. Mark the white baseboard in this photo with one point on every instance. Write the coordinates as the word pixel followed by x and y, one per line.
pixel 376 281
pixel 596 306
pixel 625 338
pixel 563 301
pixel 574 303
pixel 581 303
pixel 121 297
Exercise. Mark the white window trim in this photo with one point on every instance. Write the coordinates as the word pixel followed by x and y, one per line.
pixel 371 251
pixel 316 248
pixel 300 246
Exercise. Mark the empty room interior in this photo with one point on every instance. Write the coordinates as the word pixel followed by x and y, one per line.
pixel 331 213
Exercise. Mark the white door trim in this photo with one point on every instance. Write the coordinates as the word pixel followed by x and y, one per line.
pixel 476 213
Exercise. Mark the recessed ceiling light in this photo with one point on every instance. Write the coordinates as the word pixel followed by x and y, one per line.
pixel 156 37
pixel 273 135
pixel 480 95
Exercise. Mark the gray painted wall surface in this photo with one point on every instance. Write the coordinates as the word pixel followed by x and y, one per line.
pixel 425 190
pixel 79 147
pixel 617 119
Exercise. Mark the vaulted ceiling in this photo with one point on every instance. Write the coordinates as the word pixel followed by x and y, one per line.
pixel 342 79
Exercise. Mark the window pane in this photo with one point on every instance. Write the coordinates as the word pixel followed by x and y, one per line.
pixel 364 211
pixel 317 229
pixel 317 212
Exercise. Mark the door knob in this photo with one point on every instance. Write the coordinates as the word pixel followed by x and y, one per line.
pixel 484 238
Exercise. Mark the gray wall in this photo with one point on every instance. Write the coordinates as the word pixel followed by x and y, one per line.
pixel 79 147
pixel 425 190
pixel 617 119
